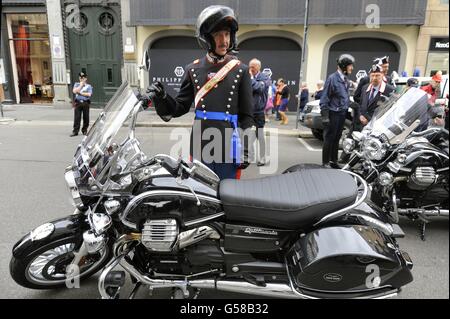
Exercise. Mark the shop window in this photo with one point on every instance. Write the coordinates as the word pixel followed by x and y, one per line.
pixel 30 42
pixel 437 61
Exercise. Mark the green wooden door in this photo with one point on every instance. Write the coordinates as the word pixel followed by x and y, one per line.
pixel 95 48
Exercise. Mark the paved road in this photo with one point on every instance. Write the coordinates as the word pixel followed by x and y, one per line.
pixel 32 191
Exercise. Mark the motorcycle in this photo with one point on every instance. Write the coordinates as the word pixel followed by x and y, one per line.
pixel 171 223
pixel 406 170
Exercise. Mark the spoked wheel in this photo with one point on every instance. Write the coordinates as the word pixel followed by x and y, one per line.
pixel 46 267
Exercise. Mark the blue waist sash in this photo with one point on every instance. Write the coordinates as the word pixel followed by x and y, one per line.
pixel 235 149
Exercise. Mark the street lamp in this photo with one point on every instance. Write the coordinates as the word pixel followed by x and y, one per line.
pixel 302 62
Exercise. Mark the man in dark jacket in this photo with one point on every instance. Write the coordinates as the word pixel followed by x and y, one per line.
pixel 334 104
pixel 260 86
pixel 220 87
pixel 373 93
pixel 384 63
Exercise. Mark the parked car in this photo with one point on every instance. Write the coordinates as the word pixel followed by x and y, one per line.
pixel 311 118
pixel 400 83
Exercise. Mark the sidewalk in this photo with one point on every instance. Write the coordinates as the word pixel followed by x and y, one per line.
pixel 62 115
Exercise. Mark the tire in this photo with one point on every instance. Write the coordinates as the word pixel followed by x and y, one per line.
pixel 317 134
pixel 26 271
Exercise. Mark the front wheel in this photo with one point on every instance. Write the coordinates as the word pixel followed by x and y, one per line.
pixel 45 268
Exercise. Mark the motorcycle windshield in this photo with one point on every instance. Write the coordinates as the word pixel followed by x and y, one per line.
pixel 399 116
pixel 105 128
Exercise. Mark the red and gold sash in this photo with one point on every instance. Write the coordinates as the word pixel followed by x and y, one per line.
pixel 219 76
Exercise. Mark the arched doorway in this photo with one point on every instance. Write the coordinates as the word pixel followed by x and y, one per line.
pixel 280 55
pixel 95 48
pixel 364 50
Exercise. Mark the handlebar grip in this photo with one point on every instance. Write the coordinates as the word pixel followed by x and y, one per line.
pixel 171 166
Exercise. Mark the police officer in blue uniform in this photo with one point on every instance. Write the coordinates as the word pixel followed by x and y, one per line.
pixel 82 100
pixel 220 87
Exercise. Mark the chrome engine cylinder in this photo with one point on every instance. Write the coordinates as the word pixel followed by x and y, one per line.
pixel 422 178
pixel 160 234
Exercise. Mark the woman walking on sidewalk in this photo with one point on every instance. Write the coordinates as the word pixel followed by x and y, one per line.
pixel 282 99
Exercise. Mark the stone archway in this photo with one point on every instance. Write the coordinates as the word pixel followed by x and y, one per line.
pixel 364 46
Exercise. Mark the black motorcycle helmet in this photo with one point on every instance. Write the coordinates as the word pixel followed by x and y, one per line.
pixel 212 19
pixel 345 60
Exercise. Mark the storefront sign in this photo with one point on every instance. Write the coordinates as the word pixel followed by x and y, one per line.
pixel 438 44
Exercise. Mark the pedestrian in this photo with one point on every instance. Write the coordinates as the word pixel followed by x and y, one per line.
pixel 384 63
pixel 373 93
pixel 220 87
pixel 282 100
pixel 411 83
pixel 304 96
pixel 434 88
pixel 334 104
pixel 274 101
pixel 81 104
pixel 318 94
pixel 261 83
pixel 269 105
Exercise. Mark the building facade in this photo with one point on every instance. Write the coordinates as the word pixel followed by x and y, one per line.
pixel 45 44
pixel 273 32
pixel 432 43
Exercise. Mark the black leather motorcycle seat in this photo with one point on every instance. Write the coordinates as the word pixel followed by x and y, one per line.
pixel 287 201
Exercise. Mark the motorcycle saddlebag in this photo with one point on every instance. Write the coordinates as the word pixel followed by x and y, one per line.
pixel 350 260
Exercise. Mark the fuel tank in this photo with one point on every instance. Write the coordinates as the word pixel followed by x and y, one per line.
pixel 161 197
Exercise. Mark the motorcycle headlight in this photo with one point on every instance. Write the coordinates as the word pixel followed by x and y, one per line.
pixel 374 149
pixel 71 184
pixel 348 145
pixel 315 109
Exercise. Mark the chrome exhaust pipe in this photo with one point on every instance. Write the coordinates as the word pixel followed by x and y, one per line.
pixel 270 290
pixel 424 212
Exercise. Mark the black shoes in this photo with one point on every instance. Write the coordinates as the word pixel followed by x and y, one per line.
pixel 76 134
